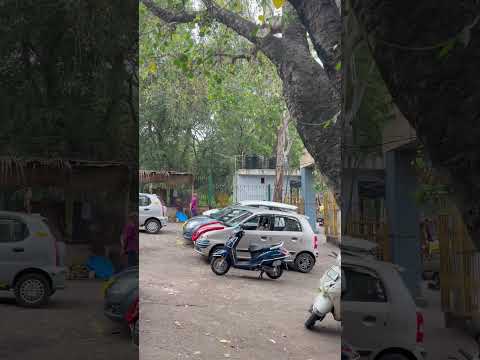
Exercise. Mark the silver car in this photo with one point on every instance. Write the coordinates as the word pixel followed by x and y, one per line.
pixel 152 215
pixel 268 227
pixel 31 258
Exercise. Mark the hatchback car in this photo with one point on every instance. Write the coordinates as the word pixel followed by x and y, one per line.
pixel 152 215
pixel 222 217
pixel 31 258
pixel 379 315
pixel 267 227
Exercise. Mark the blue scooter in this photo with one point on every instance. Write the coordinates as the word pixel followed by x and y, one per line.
pixel 266 259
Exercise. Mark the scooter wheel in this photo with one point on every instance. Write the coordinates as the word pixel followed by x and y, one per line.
pixel 312 319
pixel 220 265
pixel 275 272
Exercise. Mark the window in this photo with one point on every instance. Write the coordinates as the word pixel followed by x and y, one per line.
pixel 292 225
pixel 12 231
pixel 279 223
pixel 251 224
pixel 362 286
pixel 144 201
pixel 262 180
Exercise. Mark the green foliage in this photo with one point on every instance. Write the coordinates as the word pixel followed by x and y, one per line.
pixel 208 98
pixel 68 76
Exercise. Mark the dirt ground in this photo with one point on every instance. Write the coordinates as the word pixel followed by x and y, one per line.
pixel 187 312
pixel 71 327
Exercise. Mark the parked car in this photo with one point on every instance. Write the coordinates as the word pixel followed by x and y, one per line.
pixel 358 247
pixel 152 214
pixel 120 294
pixel 348 353
pixel 267 227
pixel 31 258
pixel 261 204
pixel 379 315
pixel 226 215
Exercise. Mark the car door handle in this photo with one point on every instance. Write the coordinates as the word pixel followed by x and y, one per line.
pixel 294 238
pixel 146 209
pixel 263 238
pixel 17 249
pixel 369 320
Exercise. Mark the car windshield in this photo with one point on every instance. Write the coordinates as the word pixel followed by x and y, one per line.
pixel 237 220
pixel 218 214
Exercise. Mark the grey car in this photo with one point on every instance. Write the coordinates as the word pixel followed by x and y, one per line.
pixel 120 292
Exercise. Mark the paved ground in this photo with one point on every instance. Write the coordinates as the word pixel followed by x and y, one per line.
pixel 188 312
pixel 72 327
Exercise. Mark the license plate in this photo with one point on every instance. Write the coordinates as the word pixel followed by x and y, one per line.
pixel 277 263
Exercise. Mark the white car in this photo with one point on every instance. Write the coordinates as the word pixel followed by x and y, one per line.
pixel 293 230
pixel 152 215
pixel 31 258
pixel 261 204
pixel 379 316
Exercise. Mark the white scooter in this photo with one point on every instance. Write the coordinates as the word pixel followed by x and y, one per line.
pixel 328 301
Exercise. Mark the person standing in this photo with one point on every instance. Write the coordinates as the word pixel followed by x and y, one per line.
pixel 194 205
pixel 130 240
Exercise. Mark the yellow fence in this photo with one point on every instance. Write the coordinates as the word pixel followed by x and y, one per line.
pixel 296 201
pixel 459 265
pixel 373 231
pixel 331 216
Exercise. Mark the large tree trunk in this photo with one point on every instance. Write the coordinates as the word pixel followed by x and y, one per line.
pixel 280 161
pixel 428 55
pixel 312 97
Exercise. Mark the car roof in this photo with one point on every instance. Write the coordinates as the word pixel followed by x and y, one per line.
pixel 275 212
pixel 376 265
pixel 147 194
pixel 268 203
pixel 22 215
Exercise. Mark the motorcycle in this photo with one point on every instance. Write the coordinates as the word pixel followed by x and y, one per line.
pixel 328 301
pixel 266 259
pixel 132 317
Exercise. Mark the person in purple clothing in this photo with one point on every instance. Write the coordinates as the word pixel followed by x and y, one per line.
pixel 130 239
pixel 194 205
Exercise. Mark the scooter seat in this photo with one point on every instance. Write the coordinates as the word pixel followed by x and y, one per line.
pixel 255 248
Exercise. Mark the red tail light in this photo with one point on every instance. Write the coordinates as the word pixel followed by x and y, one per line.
pixel 315 242
pixel 132 312
pixel 420 323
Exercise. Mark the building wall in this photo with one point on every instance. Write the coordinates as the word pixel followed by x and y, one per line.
pixel 250 187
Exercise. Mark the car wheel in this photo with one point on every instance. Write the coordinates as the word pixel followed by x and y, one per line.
pixel 32 290
pixel 153 226
pixel 394 356
pixel 304 262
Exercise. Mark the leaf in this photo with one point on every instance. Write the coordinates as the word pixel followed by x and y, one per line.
pixel 261 18
pixel 278 3
pixel 255 31
pixel 446 49
pixel 152 68
pixel 338 66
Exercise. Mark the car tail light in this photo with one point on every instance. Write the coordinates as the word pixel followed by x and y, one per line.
pixel 315 242
pixel 420 323
pixel 132 312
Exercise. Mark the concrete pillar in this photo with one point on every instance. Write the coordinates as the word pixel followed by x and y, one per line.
pixel 309 196
pixel 403 216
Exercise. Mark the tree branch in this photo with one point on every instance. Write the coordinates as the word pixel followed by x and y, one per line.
pixel 240 25
pixel 167 15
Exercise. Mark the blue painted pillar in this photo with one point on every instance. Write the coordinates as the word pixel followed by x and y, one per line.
pixel 309 195
pixel 403 216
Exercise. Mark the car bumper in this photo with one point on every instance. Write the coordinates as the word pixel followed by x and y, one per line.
pixel 58 276
pixel 202 250
pixel 114 312
pixel 163 221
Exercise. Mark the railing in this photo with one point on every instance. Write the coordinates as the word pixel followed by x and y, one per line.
pixel 374 231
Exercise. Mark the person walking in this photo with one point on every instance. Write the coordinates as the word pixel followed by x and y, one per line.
pixel 194 205
pixel 130 240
